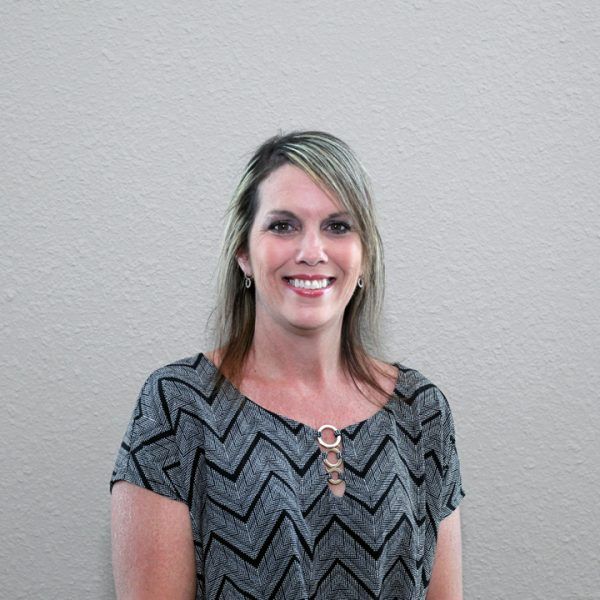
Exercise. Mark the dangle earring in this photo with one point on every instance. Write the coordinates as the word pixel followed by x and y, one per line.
pixel 360 283
pixel 247 281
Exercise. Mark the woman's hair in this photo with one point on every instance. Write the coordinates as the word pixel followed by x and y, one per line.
pixel 333 166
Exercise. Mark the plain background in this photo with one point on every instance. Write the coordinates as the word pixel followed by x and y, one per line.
pixel 124 128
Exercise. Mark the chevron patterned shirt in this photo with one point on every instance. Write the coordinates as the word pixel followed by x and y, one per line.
pixel 265 522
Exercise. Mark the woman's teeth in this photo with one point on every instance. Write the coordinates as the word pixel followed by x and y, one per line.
pixel 314 284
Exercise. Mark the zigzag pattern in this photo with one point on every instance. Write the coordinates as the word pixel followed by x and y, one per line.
pixel 264 520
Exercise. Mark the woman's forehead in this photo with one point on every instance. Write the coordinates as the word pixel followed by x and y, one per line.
pixel 289 188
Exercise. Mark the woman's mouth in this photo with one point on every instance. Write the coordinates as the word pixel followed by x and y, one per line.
pixel 309 287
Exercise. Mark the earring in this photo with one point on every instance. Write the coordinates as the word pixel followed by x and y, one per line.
pixel 247 281
pixel 360 282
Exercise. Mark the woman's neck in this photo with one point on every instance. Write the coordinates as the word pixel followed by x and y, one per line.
pixel 283 355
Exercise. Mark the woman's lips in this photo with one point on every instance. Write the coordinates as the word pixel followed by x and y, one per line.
pixel 308 292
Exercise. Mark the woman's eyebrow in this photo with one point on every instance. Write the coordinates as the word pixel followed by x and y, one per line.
pixel 281 213
pixel 291 215
pixel 339 215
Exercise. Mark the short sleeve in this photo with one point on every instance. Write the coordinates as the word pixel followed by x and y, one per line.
pixel 452 490
pixel 149 455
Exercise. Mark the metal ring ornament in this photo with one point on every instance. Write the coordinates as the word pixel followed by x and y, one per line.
pixel 338 455
pixel 338 479
pixel 336 432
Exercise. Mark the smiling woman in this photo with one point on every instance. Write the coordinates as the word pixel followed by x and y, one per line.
pixel 290 462
pixel 313 171
pixel 306 267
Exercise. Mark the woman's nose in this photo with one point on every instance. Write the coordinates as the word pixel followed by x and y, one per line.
pixel 312 249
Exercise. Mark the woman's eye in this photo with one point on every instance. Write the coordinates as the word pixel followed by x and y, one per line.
pixel 281 226
pixel 339 227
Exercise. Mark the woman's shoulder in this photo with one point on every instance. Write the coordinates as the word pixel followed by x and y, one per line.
pixel 186 383
pixel 195 370
pixel 414 387
pixel 406 378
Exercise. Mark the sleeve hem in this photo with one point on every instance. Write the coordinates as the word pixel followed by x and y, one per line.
pixel 129 479
pixel 449 508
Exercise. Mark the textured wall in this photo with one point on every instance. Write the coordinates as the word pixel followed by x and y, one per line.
pixel 124 126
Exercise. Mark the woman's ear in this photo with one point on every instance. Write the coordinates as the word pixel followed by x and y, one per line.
pixel 244 262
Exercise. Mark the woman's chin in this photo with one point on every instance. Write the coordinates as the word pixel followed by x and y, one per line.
pixel 311 324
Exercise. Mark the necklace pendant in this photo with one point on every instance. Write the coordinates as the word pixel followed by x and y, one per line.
pixel 332 448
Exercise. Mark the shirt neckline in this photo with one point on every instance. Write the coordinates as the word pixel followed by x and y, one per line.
pixel 300 425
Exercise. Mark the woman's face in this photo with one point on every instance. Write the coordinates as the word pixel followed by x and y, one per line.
pixel 304 254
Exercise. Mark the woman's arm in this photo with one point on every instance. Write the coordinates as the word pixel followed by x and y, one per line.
pixel 446 577
pixel 152 545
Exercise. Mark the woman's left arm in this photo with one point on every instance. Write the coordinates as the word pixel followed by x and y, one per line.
pixel 446 577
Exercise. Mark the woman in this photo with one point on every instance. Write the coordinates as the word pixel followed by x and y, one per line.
pixel 289 462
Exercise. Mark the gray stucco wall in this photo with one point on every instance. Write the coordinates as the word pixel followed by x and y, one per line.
pixel 124 127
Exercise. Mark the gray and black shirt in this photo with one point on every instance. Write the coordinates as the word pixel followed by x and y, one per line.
pixel 265 521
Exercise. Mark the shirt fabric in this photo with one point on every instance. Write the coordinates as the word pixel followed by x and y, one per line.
pixel 265 522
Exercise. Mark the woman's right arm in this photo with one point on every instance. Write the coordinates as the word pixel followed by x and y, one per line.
pixel 152 545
